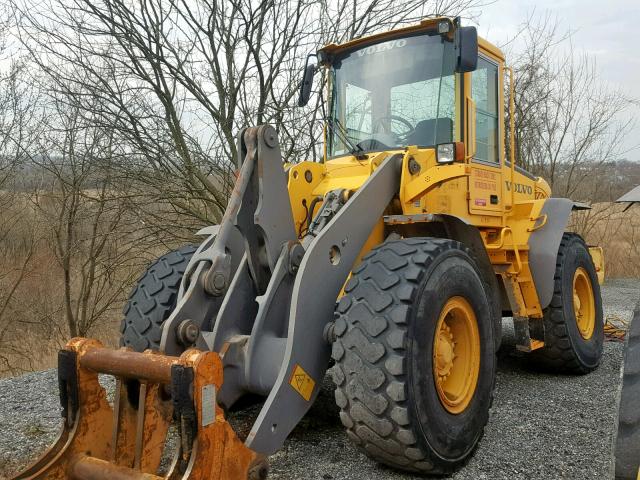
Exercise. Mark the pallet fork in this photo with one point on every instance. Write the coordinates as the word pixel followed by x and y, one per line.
pixel 254 306
pixel 125 441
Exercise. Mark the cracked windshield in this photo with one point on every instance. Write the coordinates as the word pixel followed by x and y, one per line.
pixel 393 94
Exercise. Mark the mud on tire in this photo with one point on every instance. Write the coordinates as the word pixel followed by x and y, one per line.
pixel 385 327
pixel 153 299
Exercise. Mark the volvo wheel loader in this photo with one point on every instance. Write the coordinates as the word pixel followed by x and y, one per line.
pixel 392 262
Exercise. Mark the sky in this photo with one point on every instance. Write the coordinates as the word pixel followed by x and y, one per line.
pixel 608 31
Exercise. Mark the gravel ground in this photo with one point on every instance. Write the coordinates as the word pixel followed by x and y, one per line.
pixel 541 426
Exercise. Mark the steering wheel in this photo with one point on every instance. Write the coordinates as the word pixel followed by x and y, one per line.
pixel 380 122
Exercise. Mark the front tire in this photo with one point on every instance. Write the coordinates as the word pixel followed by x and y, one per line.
pixel 398 399
pixel 153 299
pixel 573 323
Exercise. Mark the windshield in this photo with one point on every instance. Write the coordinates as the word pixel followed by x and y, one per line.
pixel 393 94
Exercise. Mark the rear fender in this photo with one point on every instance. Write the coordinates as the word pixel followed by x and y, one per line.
pixel 544 244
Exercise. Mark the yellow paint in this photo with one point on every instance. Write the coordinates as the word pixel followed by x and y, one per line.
pixel 597 255
pixel 470 127
pixel 584 307
pixel 485 190
pixel 432 177
pixel 502 202
pixel 456 355
pixel 301 190
pixel 302 383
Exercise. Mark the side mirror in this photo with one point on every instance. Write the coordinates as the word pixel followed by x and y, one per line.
pixel 307 82
pixel 467 45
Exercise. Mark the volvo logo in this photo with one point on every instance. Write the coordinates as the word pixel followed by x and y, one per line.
pixel 519 188
pixel 382 47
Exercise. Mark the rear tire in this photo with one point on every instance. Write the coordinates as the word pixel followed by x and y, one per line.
pixel 573 343
pixel 386 371
pixel 627 441
pixel 153 299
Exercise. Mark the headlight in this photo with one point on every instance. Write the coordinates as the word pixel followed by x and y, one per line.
pixel 450 152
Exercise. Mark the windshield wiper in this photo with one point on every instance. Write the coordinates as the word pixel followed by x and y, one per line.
pixel 341 132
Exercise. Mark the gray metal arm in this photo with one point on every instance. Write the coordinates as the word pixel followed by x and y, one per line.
pixel 261 298
pixel 323 272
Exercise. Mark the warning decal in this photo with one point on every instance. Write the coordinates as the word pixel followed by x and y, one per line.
pixel 302 382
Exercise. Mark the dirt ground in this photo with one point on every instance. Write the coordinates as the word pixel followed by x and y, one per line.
pixel 541 425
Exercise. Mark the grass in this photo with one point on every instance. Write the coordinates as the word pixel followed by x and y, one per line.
pixel 33 328
pixel 617 231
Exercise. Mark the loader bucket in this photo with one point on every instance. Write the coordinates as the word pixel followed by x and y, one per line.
pixel 126 441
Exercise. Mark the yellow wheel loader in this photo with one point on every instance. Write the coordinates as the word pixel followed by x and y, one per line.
pixel 392 262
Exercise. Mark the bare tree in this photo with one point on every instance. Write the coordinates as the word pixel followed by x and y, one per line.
pixel 178 79
pixel 81 202
pixel 569 124
pixel 17 133
pixel 127 121
pixel 70 244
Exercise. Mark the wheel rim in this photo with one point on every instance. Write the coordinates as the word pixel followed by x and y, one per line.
pixel 456 355
pixel 583 303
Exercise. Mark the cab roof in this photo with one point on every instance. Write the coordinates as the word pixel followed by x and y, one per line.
pixel 425 25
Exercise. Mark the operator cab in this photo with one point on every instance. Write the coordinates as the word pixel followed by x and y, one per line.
pixel 387 92
pixel 392 94
pixel 437 91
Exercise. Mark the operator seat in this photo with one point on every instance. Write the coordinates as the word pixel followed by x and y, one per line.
pixel 423 133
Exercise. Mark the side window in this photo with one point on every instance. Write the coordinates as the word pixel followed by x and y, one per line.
pixel 484 91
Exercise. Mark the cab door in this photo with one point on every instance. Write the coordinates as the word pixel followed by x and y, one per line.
pixel 485 181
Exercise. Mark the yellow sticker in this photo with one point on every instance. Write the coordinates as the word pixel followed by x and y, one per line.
pixel 302 382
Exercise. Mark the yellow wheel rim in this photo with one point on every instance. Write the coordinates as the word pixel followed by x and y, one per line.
pixel 456 355
pixel 583 303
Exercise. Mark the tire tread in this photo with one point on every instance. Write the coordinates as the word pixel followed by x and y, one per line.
pixel 370 361
pixel 153 299
pixel 627 439
pixel 558 353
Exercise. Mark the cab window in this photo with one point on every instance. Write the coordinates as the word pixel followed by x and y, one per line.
pixel 358 110
pixel 428 105
pixel 392 94
pixel 484 91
